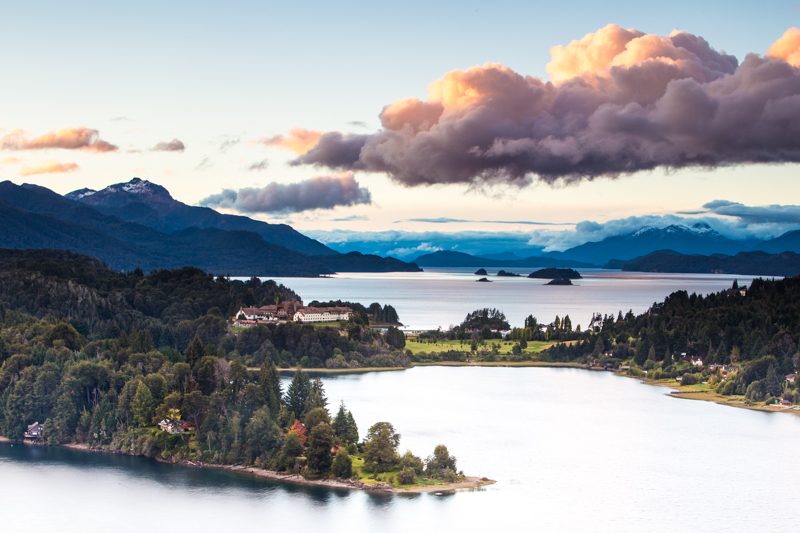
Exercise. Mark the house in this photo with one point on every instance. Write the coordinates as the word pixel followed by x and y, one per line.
pixel 283 311
pixel 34 433
pixel 175 427
pixel 696 361
pixel 791 378
pixel 322 314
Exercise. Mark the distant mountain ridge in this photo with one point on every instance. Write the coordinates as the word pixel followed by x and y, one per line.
pixel 695 240
pixel 699 238
pixel 36 217
pixel 447 258
pixel 751 263
pixel 150 204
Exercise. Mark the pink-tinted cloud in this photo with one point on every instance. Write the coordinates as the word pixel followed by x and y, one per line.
pixel 68 139
pixel 52 167
pixel 620 101
pixel 787 47
pixel 298 140
pixel 175 145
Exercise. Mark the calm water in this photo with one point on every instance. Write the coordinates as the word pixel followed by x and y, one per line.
pixel 442 297
pixel 571 450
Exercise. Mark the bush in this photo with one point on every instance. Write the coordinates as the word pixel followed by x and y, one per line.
pixel 406 476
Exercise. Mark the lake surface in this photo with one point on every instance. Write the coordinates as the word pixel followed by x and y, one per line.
pixel 571 450
pixel 443 297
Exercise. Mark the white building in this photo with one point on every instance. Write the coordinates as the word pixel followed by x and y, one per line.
pixel 322 314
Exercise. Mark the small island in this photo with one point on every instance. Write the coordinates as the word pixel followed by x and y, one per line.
pixel 483 280
pixel 556 273
pixel 559 281
pixel 507 274
pixel 481 272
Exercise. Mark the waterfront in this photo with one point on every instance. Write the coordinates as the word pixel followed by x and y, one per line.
pixel 571 450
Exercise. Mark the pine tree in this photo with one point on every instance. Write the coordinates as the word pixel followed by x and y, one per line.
pixel 316 396
pixel 297 394
pixel 270 384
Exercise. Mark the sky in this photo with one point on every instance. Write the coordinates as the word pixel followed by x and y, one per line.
pixel 203 97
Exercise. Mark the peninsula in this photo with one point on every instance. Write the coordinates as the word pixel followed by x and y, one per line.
pixel 158 366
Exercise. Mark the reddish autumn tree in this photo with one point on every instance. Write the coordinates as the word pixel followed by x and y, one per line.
pixel 300 430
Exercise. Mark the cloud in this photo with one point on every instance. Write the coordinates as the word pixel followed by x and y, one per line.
pixel 259 165
pixel 409 244
pixel 298 140
pixel 755 214
pixel 175 145
pixel 619 101
pixel 67 139
pixel 447 220
pixel 204 164
pixel 787 47
pixel 730 219
pixel 322 192
pixel 350 218
pixel 228 143
pixel 49 168
pixel 10 160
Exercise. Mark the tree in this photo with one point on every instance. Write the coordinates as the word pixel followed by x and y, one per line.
pixel 380 447
pixel 261 435
pixel 344 426
pixel 195 351
pixel 291 450
pixel 395 338
pixel 270 384
pixel 316 416
pixel 297 393
pixel 320 442
pixel 342 466
pixel 409 460
pixel 299 429
pixel 441 465
pixel 316 396
pixel 143 405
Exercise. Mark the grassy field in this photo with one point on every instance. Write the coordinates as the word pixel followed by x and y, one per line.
pixel 423 347
pixel 389 477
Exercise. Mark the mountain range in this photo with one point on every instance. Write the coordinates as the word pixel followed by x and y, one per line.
pixel 459 259
pixel 139 224
pixel 755 263
pixel 697 239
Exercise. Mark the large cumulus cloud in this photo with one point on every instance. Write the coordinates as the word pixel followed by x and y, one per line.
pixel 322 192
pixel 619 101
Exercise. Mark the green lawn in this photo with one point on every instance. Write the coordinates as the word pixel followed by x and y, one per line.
pixel 423 347
pixel 387 477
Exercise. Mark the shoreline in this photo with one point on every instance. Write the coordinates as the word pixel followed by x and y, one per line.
pixel 469 483
pixel 677 391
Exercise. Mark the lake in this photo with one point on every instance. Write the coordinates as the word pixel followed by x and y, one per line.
pixel 443 297
pixel 571 450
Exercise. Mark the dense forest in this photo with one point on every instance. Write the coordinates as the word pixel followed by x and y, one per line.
pixel 147 364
